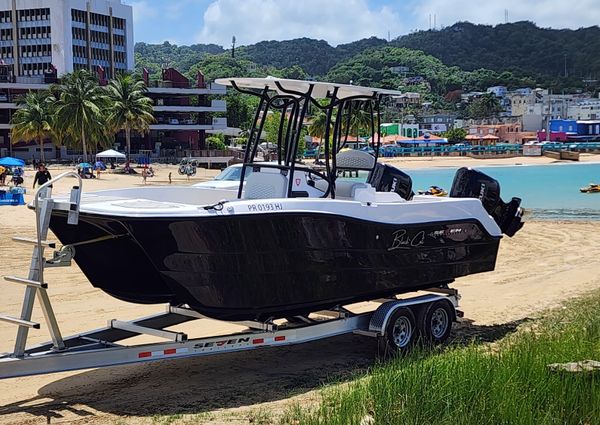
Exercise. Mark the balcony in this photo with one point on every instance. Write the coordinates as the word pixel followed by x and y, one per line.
pixel 168 87
pixel 34 24
pixel 215 106
pixel 35 42
pixel 186 125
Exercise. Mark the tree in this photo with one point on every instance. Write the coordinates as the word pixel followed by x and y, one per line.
pixel 79 108
pixel 487 106
pixel 32 121
pixel 129 108
pixel 456 135
pixel 216 142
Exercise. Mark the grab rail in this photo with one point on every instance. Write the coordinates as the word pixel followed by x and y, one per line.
pixel 38 230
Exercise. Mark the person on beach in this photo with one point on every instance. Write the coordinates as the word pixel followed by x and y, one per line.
pixel 169 177
pixel 42 175
pixel 3 173
pixel 144 175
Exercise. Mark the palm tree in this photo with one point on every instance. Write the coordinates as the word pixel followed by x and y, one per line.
pixel 360 122
pixel 33 118
pixel 129 107
pixel 317 128
pixel 79 108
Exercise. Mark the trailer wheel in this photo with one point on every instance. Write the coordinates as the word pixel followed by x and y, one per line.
pixel 436 323
pixel 400 331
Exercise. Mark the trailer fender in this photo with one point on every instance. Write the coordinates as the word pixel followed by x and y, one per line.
pixel 381 316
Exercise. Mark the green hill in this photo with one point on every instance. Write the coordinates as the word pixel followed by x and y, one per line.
pixel 518 47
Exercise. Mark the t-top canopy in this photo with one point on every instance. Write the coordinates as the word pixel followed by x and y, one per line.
pixel 320 90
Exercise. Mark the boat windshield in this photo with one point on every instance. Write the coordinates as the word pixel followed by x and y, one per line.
pixel 232 174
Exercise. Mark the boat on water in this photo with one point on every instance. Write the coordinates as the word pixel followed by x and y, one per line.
pixel 289 239
pixel 591 188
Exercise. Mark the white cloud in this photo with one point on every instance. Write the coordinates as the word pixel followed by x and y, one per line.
pixel 143 11
pixel 336 21
pixel 545 13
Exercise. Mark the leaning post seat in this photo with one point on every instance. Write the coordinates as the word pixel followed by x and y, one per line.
pixel 265 185
pixel 354 160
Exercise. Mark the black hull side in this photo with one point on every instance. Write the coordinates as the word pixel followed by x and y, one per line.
pixel 273 265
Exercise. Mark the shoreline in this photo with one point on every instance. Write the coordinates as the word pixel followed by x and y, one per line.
pixel 464 161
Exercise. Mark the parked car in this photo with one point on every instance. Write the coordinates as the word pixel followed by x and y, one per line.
pixel 173 121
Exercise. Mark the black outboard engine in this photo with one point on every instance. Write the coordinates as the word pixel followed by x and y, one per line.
pixel 385 178
pixel 469 183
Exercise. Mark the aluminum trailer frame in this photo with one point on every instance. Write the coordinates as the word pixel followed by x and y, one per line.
pixel 100 347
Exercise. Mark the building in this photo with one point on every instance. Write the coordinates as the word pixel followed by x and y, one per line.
pixel 570 130
pixel 437 123
pixel 500 133
pixel 406 99
pixel 37 36
pixel 498 91
pixel 180 109
pixel 40 40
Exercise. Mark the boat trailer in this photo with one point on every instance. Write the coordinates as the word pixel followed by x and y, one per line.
pixel 396 323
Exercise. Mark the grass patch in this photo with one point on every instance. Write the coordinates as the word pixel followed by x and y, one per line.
pixel 504 383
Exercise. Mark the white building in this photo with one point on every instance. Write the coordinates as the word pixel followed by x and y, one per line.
pixel 36 35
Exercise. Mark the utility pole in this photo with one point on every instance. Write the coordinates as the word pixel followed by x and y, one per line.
pixel 548 115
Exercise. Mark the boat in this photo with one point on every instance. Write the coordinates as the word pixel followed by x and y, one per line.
pixel 591 188
pixel 433 191
pixel 289 239
pixel 569 155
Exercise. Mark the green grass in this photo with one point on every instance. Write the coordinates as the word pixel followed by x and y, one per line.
pixel 504 383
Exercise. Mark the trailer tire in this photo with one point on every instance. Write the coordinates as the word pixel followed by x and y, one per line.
pixel 400 331
pixel 436 322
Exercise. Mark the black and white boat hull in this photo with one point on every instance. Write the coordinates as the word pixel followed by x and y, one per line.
pixel 256 264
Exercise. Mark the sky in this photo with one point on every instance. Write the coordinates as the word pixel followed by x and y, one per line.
pixel 337 21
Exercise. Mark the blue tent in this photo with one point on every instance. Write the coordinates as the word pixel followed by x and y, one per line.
pixel 12 162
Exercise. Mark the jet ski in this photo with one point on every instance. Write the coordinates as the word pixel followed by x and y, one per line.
pixel 591 188
pixel 433 191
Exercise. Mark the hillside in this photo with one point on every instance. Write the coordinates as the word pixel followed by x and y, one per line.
pixel 520 46
pixel 516 53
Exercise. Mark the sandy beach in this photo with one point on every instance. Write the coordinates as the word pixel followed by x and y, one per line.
pixel 544 264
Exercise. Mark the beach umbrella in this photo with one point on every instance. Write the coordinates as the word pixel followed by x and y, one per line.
pixel 12 162
pixel 84 165
pixel 100 165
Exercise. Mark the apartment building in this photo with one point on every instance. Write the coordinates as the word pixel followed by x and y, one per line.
pixel 40 40
pixel 37 36
pixel 183 112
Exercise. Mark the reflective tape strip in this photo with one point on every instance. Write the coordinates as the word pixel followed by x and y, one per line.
pixel 162 353
pixel 280 338
pixel 258 341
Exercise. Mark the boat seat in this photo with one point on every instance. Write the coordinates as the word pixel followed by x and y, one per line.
pixel 354 160
pixel 369 194
pixel 343 188
pixel 261 185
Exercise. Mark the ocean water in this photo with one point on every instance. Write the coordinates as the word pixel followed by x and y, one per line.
pixel 548 192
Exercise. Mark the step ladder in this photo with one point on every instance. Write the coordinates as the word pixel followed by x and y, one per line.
pixel 34 283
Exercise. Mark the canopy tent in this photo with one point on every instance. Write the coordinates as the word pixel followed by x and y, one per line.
pixel 111 153
pixel 472 137
pixel 12 162
pixel 490 137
